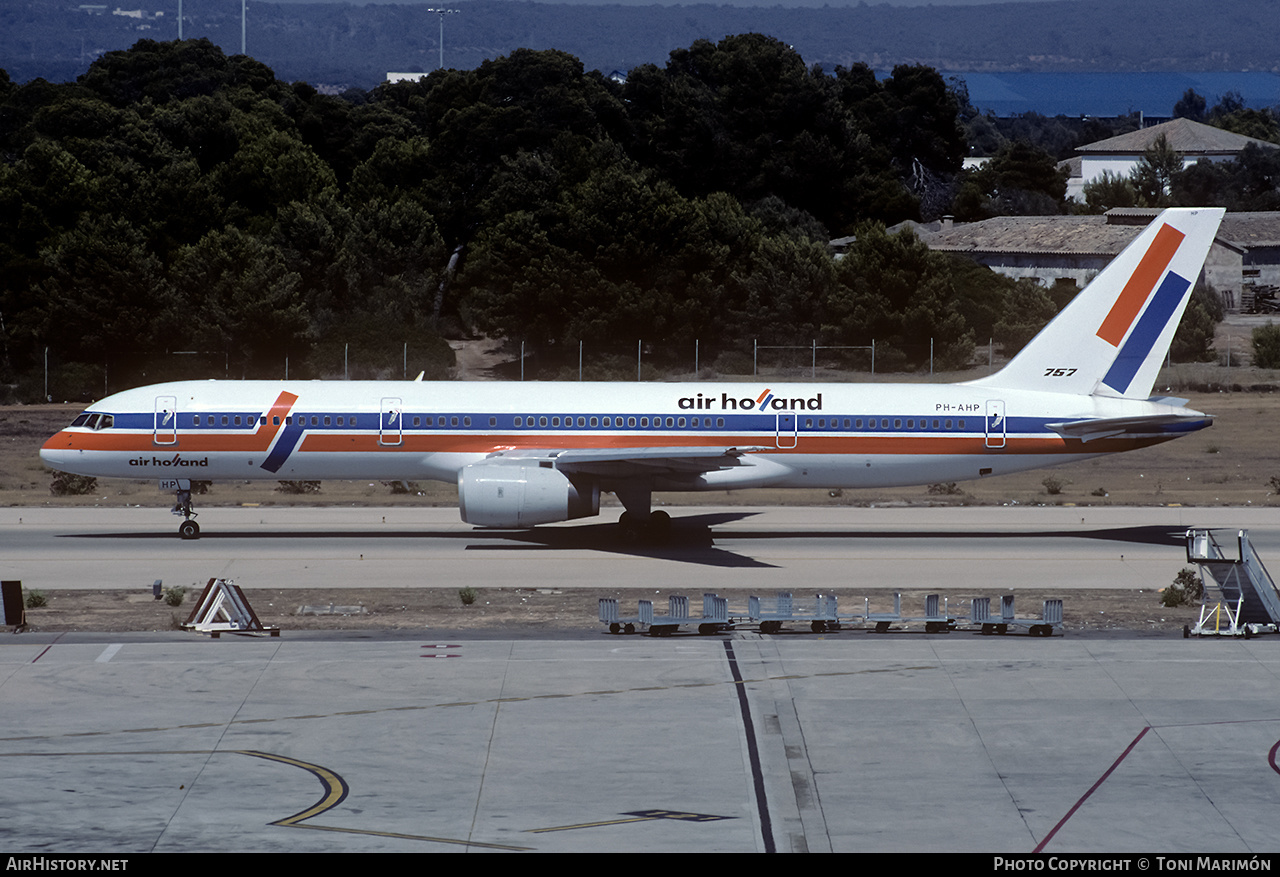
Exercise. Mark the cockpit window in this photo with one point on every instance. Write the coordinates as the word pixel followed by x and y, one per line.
pixel 89 420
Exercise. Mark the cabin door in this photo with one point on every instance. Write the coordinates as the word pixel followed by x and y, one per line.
pixel 786 430
pixel 995 423
pixel 166 420
pixel 390 426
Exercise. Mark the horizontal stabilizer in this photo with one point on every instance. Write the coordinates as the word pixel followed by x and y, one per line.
pixel 1152 426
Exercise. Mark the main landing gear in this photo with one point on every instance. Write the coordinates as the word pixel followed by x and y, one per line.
pixel 638 524
pixel 188 529
pixel 637 528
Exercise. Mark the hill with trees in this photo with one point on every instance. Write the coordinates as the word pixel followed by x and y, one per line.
pixel 346 45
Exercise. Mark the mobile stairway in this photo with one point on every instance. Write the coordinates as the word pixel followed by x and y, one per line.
pixel 1247 602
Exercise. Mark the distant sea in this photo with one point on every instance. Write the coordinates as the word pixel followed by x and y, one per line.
pixel 1111 94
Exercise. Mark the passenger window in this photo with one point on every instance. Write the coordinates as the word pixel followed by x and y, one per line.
pixel 417 421
pixel 327 420
pixel 315 421
pixel 466 421
pixel 542 421
pixel 582 421
pixel 631 421
pixel 340 419
pixel 594 422
pixel 555 421
pixel 948 424
pixel 720 422
pixel 225 420
pixel 493 421
pixel 680 423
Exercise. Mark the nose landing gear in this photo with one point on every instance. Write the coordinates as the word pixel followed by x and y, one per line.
pixel 188 529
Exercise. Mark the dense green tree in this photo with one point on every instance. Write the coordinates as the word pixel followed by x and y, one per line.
pixel 1153 175
pixel 892 289
pixel 1020 180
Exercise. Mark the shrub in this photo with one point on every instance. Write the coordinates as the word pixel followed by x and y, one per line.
pixel 174 596
pixel 1266 346
pixel 1053 486
pixel 467 595
pixel 66 484
pixel 1186 588
pixel 297 488
pixel 35 599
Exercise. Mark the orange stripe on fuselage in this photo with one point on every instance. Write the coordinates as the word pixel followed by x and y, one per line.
pixel 826 445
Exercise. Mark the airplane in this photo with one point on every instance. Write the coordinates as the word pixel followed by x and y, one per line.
pixel 528 453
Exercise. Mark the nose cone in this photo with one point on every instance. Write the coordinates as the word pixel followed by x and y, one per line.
pixel 57 452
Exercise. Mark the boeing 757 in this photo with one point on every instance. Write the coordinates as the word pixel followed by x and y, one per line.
pixel 524 454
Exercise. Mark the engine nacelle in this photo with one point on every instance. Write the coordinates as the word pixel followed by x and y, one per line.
pixel 522 495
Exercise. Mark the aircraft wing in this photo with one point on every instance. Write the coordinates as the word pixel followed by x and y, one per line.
pixel 1131 427
pixel 629 462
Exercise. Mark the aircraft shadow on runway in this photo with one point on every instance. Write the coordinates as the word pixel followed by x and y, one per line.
pixel 692 539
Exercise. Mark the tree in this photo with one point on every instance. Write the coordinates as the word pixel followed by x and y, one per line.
pixel 1190 106
pixel 1193 342
pixel 1020 180
pixel 1153 175
pixel 1266 346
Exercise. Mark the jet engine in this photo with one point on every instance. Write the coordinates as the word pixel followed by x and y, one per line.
pixel 523 494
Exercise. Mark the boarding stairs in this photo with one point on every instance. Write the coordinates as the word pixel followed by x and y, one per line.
pixel 1236 588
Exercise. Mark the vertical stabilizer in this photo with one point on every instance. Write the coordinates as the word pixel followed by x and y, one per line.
pixel 1112 338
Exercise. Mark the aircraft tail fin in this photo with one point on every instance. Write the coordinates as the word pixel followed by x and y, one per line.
pixel 1112 338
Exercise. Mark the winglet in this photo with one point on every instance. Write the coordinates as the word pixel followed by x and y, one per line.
pixel 1111 339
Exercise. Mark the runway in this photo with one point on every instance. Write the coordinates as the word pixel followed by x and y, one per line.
pixel 130 743
pixel 765 549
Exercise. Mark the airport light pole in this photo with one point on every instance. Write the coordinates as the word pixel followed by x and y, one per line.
pixel 442 13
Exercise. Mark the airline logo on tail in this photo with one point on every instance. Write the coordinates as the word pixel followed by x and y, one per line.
pixel 1123 314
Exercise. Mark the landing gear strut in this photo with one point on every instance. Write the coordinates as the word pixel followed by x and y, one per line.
pixel 188 529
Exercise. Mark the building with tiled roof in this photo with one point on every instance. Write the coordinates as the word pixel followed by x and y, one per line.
pixel 1052 249
pixel 1119 155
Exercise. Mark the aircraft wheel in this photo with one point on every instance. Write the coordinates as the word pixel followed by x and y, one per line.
pixel 629 528
pixel 189 530
pixel 660 525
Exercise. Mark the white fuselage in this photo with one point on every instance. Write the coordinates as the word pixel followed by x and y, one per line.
pixel 789 435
